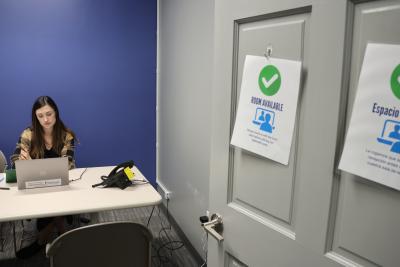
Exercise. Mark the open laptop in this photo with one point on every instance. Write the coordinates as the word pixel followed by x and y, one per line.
pixel 42 172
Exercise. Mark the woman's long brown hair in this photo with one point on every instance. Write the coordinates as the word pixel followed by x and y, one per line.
pixel 59 129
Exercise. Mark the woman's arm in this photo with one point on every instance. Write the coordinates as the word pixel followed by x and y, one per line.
pixel 68 150
pixel 23 147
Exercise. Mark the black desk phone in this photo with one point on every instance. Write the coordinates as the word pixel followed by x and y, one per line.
pixel 121 176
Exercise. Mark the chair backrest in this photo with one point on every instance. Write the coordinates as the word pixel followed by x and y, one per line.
pixel 116 244
pixel 3 162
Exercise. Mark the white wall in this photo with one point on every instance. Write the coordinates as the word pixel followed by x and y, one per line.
pixel 185 64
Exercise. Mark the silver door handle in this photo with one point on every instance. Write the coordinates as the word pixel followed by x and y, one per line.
pixel 214 227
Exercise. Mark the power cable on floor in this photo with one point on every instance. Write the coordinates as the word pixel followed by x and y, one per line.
pixel 205 249
pixel 170 245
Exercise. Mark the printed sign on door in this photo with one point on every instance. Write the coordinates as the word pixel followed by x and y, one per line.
pixel 372 146
pixel 267 107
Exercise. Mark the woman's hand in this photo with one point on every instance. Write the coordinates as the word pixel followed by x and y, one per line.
pixel 24 155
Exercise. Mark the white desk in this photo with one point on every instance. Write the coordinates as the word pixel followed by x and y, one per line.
pixel 77 197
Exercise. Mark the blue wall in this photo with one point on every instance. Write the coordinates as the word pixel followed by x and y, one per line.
pixel 97 60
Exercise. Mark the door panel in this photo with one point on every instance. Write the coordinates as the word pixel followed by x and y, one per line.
pixel 270 196
pixel 368 218
pixel 285 223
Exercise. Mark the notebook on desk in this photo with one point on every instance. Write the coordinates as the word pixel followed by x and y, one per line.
pixel 42 172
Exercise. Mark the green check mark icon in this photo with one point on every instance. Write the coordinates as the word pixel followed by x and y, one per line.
pixel 395 81
pixel 269 80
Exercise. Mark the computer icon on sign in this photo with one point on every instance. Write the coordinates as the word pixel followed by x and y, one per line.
pixel 265 119
pixel 390 135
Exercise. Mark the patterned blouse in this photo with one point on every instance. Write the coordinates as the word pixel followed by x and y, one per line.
pixel 24 143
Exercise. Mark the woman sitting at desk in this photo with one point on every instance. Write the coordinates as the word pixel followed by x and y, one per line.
pixel 47 137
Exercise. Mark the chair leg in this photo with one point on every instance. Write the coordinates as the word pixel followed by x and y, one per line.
pixel 14 238
pixel 2 239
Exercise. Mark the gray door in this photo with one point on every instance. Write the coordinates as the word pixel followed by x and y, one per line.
pixel 307 213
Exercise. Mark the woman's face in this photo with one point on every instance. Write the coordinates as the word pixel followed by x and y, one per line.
pixel 46 116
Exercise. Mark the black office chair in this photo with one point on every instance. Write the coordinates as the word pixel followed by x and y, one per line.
pixel 116 244
pixel 3 162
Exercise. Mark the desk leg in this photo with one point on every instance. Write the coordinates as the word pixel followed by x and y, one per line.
pixel 151 214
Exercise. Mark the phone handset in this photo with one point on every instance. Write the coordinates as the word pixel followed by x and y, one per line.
pixel 122 166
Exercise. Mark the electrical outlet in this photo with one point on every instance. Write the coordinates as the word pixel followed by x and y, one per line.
pixel 163 190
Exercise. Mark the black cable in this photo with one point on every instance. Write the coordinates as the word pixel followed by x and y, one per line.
pixel 205 246
pixel 170 245
pixel 169 222
pixel 178 243
pixel 169 226
pixel 109 181
pixel 165 245
pixel 80 177
pixel 160 237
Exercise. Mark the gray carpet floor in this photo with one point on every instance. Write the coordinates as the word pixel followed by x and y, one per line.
pixel 167 249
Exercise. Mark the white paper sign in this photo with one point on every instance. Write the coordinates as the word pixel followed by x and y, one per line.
pixel 372 147
pixel 267 107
